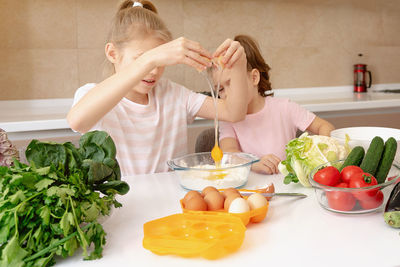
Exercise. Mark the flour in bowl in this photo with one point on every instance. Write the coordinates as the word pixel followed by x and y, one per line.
pixel 221 178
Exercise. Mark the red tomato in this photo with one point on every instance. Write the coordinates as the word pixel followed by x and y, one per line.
pixel 373 202
pixel 339 200
pixel 361 180
pixel 327 176
pixel 348 172
pixel 342 185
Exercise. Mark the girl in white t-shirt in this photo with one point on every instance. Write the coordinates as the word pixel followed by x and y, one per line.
pixel 270 122
pixel 145 115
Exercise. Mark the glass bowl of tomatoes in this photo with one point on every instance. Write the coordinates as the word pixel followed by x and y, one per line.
pixel 350 190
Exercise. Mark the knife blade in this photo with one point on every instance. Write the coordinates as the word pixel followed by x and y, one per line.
pixel 300 195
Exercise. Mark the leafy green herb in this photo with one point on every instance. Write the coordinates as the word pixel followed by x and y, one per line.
pixel 51 206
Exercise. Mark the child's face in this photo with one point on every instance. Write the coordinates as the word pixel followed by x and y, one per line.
pixel 131 51
pixel 225 81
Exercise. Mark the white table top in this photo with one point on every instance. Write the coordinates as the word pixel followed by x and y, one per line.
pixel 296 232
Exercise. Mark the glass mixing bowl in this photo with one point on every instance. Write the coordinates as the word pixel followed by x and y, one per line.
pixel 353 200
pixel 197 171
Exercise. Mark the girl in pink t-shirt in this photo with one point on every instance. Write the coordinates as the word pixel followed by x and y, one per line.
pixel 145 115
pixel 270 122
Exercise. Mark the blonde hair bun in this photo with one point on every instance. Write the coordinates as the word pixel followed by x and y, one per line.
pixel 130 4
pixel 132 21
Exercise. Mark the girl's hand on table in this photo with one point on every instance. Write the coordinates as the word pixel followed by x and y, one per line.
pixel 268 164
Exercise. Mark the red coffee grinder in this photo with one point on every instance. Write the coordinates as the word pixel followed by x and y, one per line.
pixel 360 71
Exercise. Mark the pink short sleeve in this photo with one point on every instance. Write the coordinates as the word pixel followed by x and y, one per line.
pixel 226 130
pixel 300 116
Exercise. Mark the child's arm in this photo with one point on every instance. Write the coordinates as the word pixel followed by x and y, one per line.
pixel 320 126
pixel 105 95
pixel 234 107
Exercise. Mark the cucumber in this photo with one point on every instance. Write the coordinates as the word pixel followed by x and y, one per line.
pixel 354 158
pixel 371 160
pixel 386 161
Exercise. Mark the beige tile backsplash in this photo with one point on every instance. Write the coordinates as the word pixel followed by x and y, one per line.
pixel 51 47
pixel 43 24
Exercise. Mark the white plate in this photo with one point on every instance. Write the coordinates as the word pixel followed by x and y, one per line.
pixel 366 133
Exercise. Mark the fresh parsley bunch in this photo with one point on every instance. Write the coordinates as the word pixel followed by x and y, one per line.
pixel 51 206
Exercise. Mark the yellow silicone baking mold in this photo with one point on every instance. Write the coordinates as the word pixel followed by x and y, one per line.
pixel 256 215
pixel 211 236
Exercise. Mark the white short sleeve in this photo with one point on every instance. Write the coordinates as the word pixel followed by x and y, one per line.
pixel 79 94
pixel 190 99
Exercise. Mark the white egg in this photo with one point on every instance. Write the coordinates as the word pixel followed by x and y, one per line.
pixel 239 205
pixel 256 201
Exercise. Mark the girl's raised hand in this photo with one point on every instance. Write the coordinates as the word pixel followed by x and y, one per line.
pixel 180 51
pixel 231 52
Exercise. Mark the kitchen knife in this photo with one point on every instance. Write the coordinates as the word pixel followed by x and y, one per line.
pixel 300 195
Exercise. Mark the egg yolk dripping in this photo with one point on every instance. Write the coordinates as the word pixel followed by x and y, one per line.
pixel 216 152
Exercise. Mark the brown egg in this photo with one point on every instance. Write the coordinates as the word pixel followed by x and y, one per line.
pixel 190 194
pixel 196 203
pixel 208 189
pixel 229 200
pixel 214 200
pixel 235 194
pixel 229 191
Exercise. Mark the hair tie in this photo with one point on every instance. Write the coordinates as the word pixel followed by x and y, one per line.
pixel 137 4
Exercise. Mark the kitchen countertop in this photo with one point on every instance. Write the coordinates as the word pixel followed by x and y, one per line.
pixel 296 232
pixel 18 116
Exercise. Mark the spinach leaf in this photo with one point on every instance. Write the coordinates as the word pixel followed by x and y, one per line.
pixel 102 141
pixel 44 154
pixel 119 187
pixel 44 204
pixel 98 172
pixel 74 158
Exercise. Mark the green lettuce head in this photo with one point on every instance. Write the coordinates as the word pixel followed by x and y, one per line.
pixel 305 153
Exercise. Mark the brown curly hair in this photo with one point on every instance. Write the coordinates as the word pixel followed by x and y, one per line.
pixel 256 61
